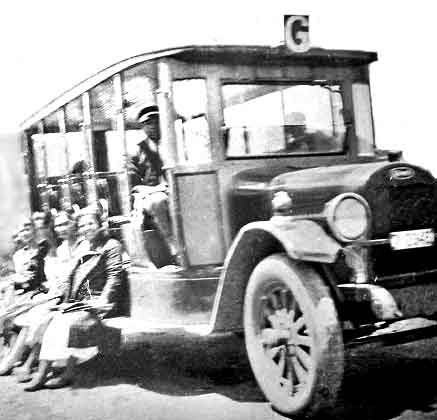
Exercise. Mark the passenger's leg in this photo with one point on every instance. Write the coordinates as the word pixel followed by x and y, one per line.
pixel 53 347
pixel 138 251
pixel 157 207
pixel 15 353
pixel 24 373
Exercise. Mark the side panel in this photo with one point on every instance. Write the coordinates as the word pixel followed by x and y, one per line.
pixel 200 217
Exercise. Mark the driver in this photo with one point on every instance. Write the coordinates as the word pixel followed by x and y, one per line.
pixel 299 139
pixel 147 176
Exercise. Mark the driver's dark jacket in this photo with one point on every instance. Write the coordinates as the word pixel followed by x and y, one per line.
pixel 145 168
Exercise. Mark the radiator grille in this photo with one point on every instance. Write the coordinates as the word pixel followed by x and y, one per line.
pixel 412 207
pixel 408 207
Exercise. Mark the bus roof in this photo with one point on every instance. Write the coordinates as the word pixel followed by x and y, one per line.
pixel 237 54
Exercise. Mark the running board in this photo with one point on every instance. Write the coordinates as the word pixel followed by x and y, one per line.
pixel 128 333
pixel 398 332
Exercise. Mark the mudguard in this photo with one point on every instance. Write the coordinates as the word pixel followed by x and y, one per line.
pixel 302 240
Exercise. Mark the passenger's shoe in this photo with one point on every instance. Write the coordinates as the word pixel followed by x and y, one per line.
pixel 39 377
pixel 66 378
pixel 24 376
pixel 58 382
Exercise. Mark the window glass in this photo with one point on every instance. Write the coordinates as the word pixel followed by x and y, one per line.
pixel 55 152
pixel 103 106
pixel 78 160
pixel 265 119
pixel 363 118
pixel 39 156
pixel 139 90
pixel 50 166
pixel 74 115
pixel 52 146
pixel 192 130
pixel 51 124
pixel 107 145
pixel 77 152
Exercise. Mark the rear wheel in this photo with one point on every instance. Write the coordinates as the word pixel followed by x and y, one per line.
pixel 293 336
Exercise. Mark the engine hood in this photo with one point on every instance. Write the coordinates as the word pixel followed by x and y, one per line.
pixel 400 195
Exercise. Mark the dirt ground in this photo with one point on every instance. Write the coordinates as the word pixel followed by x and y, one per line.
pixel 212 380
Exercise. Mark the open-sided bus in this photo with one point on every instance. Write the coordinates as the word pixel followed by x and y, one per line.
pixel 306 248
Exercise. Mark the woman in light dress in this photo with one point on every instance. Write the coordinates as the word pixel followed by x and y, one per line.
pixel 92 291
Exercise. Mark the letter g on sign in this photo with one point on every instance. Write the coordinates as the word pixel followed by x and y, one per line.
pixel 296 29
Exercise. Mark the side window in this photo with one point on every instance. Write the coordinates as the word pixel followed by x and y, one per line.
pixel 76 141
pixel 55 147
pixel 39 152
pixel 108 149
pixel 139 91
pixel 191 124
pixel 77 151
pixel 50 161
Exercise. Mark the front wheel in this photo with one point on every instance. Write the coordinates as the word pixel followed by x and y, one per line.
pixel 293 336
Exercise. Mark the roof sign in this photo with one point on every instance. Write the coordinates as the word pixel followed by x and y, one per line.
pixel 297 28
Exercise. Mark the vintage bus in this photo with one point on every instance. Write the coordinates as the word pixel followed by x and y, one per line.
pixel 290 225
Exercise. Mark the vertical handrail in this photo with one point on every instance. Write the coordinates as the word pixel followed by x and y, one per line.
pixel 45 204
pixel 88 133
pixel 63 130
pixel 124 184
pixel 169 148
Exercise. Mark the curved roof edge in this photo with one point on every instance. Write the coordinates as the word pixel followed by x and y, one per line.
pixel 204 53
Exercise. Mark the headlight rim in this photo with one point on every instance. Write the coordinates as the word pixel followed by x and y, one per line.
pixel 330 210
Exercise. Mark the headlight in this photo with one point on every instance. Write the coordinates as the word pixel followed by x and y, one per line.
pixel 348 216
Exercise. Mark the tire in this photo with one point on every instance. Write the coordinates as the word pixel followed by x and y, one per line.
pixel 293 337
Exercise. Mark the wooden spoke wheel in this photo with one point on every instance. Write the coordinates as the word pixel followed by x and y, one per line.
pixel 293 336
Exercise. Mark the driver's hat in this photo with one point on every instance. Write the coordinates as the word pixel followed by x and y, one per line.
pixel 147 113
pixel 295 118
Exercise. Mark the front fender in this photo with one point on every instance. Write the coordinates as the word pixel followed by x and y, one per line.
pixel 303 240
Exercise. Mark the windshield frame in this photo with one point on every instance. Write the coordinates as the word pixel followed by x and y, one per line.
pixel 289 82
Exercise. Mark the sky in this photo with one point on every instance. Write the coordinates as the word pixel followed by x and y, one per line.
pixel 48 46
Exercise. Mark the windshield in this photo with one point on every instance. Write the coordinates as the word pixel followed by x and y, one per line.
pixel 271 119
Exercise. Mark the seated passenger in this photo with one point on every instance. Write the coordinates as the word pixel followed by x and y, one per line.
pixel 95 280
pixel 299 139
pixel 78 183
pixel 147 176
pixel 43 227
pixel 29 259
pixel 29 277
pixel 65 227
pixel 33 323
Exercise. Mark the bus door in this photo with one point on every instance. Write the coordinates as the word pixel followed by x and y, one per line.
pixel 194 181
